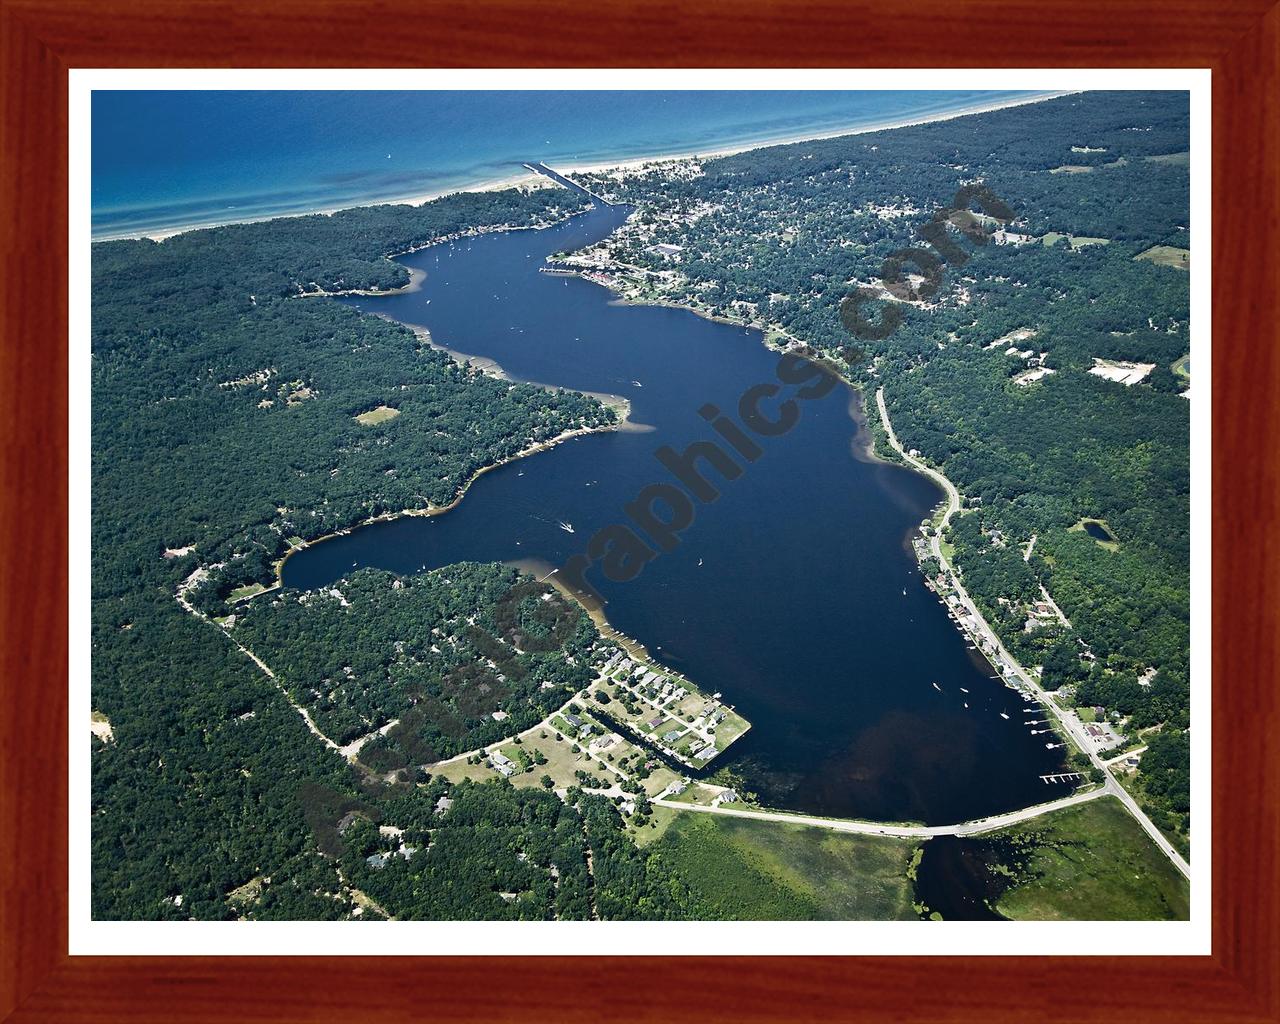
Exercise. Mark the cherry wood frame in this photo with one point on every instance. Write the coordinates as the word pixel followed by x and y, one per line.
pixel 41 39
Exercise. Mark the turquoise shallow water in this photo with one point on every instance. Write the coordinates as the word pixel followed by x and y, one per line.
pixel 167 159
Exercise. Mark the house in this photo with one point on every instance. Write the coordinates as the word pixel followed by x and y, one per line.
pixel 654 722
pixel 377 861
pixel 672 736
pixel 347 820
pixel 499 760
pixel 574 721
pixel 665 250
pixel 443 804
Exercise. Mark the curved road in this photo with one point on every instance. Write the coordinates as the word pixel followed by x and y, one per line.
pixel 1070 726
pixel 872 828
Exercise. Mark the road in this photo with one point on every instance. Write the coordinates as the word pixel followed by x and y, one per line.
pixel 872 828
pixel 1069 724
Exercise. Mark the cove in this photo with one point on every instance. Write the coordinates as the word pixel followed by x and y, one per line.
pixel 794 594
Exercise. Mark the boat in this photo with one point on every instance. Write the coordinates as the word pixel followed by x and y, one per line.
pixel 963 690
pixel 937 687
pixel 567 527
pixel 637 383
pixel 904 591
pixel 1003 715
pixel 699 561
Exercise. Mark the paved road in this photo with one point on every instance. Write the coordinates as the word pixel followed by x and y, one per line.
pixel 1072 726
pixel 872 828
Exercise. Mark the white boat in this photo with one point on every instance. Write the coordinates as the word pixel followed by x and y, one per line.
pixel 1003 715
pixel 937 687
pixel 567 527
pixel 699 561
pixel 963 690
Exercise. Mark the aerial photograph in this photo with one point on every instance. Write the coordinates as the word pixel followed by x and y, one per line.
pixel 678 505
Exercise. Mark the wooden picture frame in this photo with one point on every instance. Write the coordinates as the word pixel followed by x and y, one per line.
pixel 42 39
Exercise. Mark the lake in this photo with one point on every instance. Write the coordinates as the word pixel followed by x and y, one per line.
pixel 795 594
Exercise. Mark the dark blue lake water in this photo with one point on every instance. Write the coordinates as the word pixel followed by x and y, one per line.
pixel 795 594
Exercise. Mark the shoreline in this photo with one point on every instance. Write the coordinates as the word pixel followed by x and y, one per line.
pixel 438 510
pixel 524 178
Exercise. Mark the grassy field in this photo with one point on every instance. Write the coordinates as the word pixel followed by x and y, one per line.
pixel 1167 256
pixel 1184 159
pixel 1182 367
pixel 252 590
pixel 375 416
pixel 1076 241
pixel 1093 862
pixel 746 870
pixel 1072 169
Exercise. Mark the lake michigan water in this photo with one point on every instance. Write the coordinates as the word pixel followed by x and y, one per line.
pixel 795 594
pixel 165 159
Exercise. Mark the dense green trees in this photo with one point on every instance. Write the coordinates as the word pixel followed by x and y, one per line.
pixel 439 652
pixel 223 418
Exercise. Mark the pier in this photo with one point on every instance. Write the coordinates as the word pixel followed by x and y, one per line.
pixel 568 183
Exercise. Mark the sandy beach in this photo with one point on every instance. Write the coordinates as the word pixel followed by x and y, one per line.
pixel 529 179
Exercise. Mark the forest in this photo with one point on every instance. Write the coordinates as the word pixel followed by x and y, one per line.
pixel 439 653
pixel 223 427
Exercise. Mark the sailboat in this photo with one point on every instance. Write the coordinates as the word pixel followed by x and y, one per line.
pixel 567 527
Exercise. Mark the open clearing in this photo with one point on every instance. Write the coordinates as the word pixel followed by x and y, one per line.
pixel 1180 159
pixel 1167 256
pixel 1093 862
pixel 1121 372
pixel 1072 169
pixel 373 417
pixel 759 870
pixel 1075 241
